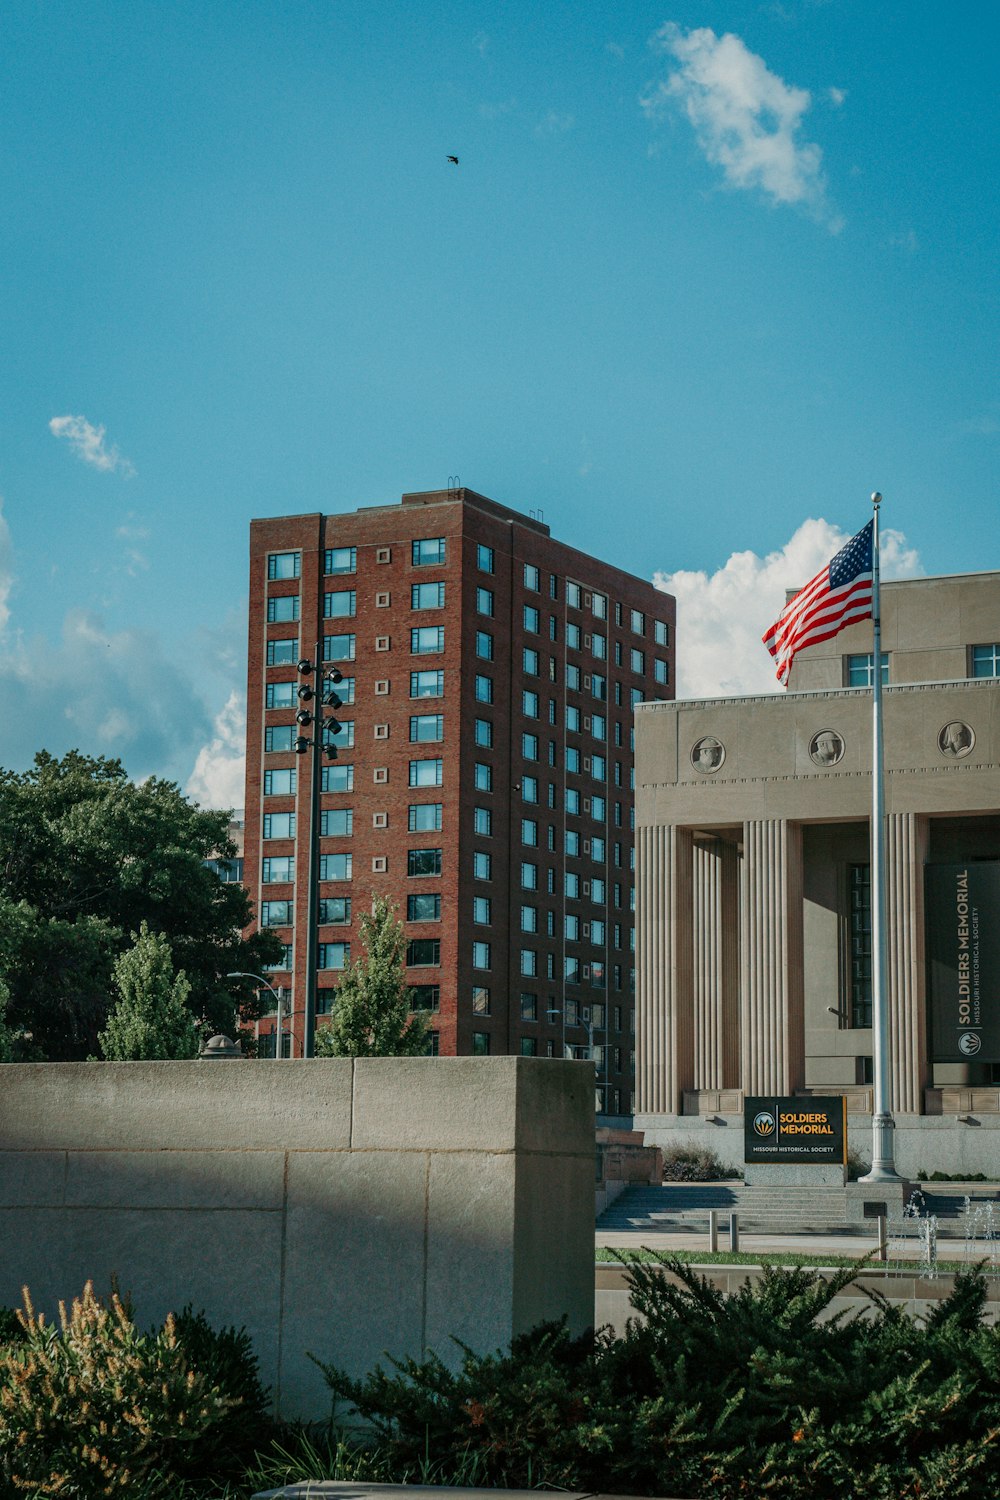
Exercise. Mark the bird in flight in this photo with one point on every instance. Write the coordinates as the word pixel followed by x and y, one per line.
pixel 453 160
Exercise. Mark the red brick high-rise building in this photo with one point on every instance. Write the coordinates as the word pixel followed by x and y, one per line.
pixel 484 776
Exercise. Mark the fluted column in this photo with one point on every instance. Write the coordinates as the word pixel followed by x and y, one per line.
pixel 906 837
pixel 664 1032
pixel 772 1034
pixel 715 972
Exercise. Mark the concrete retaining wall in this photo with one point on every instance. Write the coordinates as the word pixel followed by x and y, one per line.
pixel 334 1206
pixel 923 1143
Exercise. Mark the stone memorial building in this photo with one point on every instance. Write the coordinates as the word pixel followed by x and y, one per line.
pixel 753 886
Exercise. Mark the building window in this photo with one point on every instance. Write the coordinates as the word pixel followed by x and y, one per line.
pixel 344 736
pixel 573 636
pixel 426 727
pixel 335 866
pixel 340 560
pixel 529 1007
pixel 531 577
pixel 529 746
pixel 433 1044
pixel 484 558
pixel 481 955
pixel 280 783
pixel 572 801
pixel 338 648
pixel 572 842
pixel 335 911
pixel 484 645
pixel 859 670
pixel 529 962
pixel 428 552
pixel 529 1046
pixel 277 913
pixel 529 832
pixel 860 1011
pixel 337 779
pixel 986 660
pixel 484 734
pixel 425 640
pixel 482 821
pixel 572 718
pixel 531 619
pixel 529 704
pixel 282 607
pixel 484 601
pixel 599 645
pixel 278 869
pixel 280 695
pixel 529 661
pixel 599 606
pixel 426 772
pixel 480 1044
pixel 425 997
pixel 284 962
pixel 334 955
pixel 423 953
pixel 336 822
pixel 279 825
pixel 529 789
pixel 424 817
pixel 661 633
pixel 529 877
pixel 340 604
pixel 423 908
pixel 281 653
pixel 571 971
pixel 482 911
pixel 423 862
pixel 484 688
pixel 279 736
pixel 483 777
pixel 283 564
pixel 529 918
pixel 661 670
pixel 427 684
pixel 482 865
pixel 638 622
pixel 638 660
pixel 480 999
pixel 427 596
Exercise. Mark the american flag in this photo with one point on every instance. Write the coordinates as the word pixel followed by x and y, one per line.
pixel 839 594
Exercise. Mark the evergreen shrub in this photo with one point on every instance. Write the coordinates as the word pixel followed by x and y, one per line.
pixel 762 1393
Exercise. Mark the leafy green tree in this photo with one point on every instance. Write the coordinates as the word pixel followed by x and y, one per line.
pixel 372 1016
pixel 86 856
pixel 151 1019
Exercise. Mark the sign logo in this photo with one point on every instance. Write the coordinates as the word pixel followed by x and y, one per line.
pixel 969 1043
pixel 763 1123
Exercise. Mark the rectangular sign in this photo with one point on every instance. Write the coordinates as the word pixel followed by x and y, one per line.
pixel 795 1130
pixel 963 960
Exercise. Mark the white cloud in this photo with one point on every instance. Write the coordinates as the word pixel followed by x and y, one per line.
pixel 218 776
pixel 481 42
pixel 747 119
pixel 555 123
pixel 721 617
pixel 836 96
pixel 87 442
pixel 907 241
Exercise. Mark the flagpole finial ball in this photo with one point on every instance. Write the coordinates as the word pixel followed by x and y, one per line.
pixel 876 498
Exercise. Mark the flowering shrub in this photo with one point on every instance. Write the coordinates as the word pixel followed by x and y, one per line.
pixel 94 1407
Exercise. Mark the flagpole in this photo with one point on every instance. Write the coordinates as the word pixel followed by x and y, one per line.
pixel 883 1167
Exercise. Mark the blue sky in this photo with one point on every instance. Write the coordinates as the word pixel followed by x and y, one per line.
pixel 704 273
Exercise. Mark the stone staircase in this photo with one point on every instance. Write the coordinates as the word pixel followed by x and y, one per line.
pixel 683 1207
pixel 678 1208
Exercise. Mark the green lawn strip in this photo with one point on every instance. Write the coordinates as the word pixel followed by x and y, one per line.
pixel 605 1254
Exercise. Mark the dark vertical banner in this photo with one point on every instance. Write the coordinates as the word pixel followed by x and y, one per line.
pixel 963 961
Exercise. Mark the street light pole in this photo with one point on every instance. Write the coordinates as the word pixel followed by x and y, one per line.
pixel 325 696
pixel 279 996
